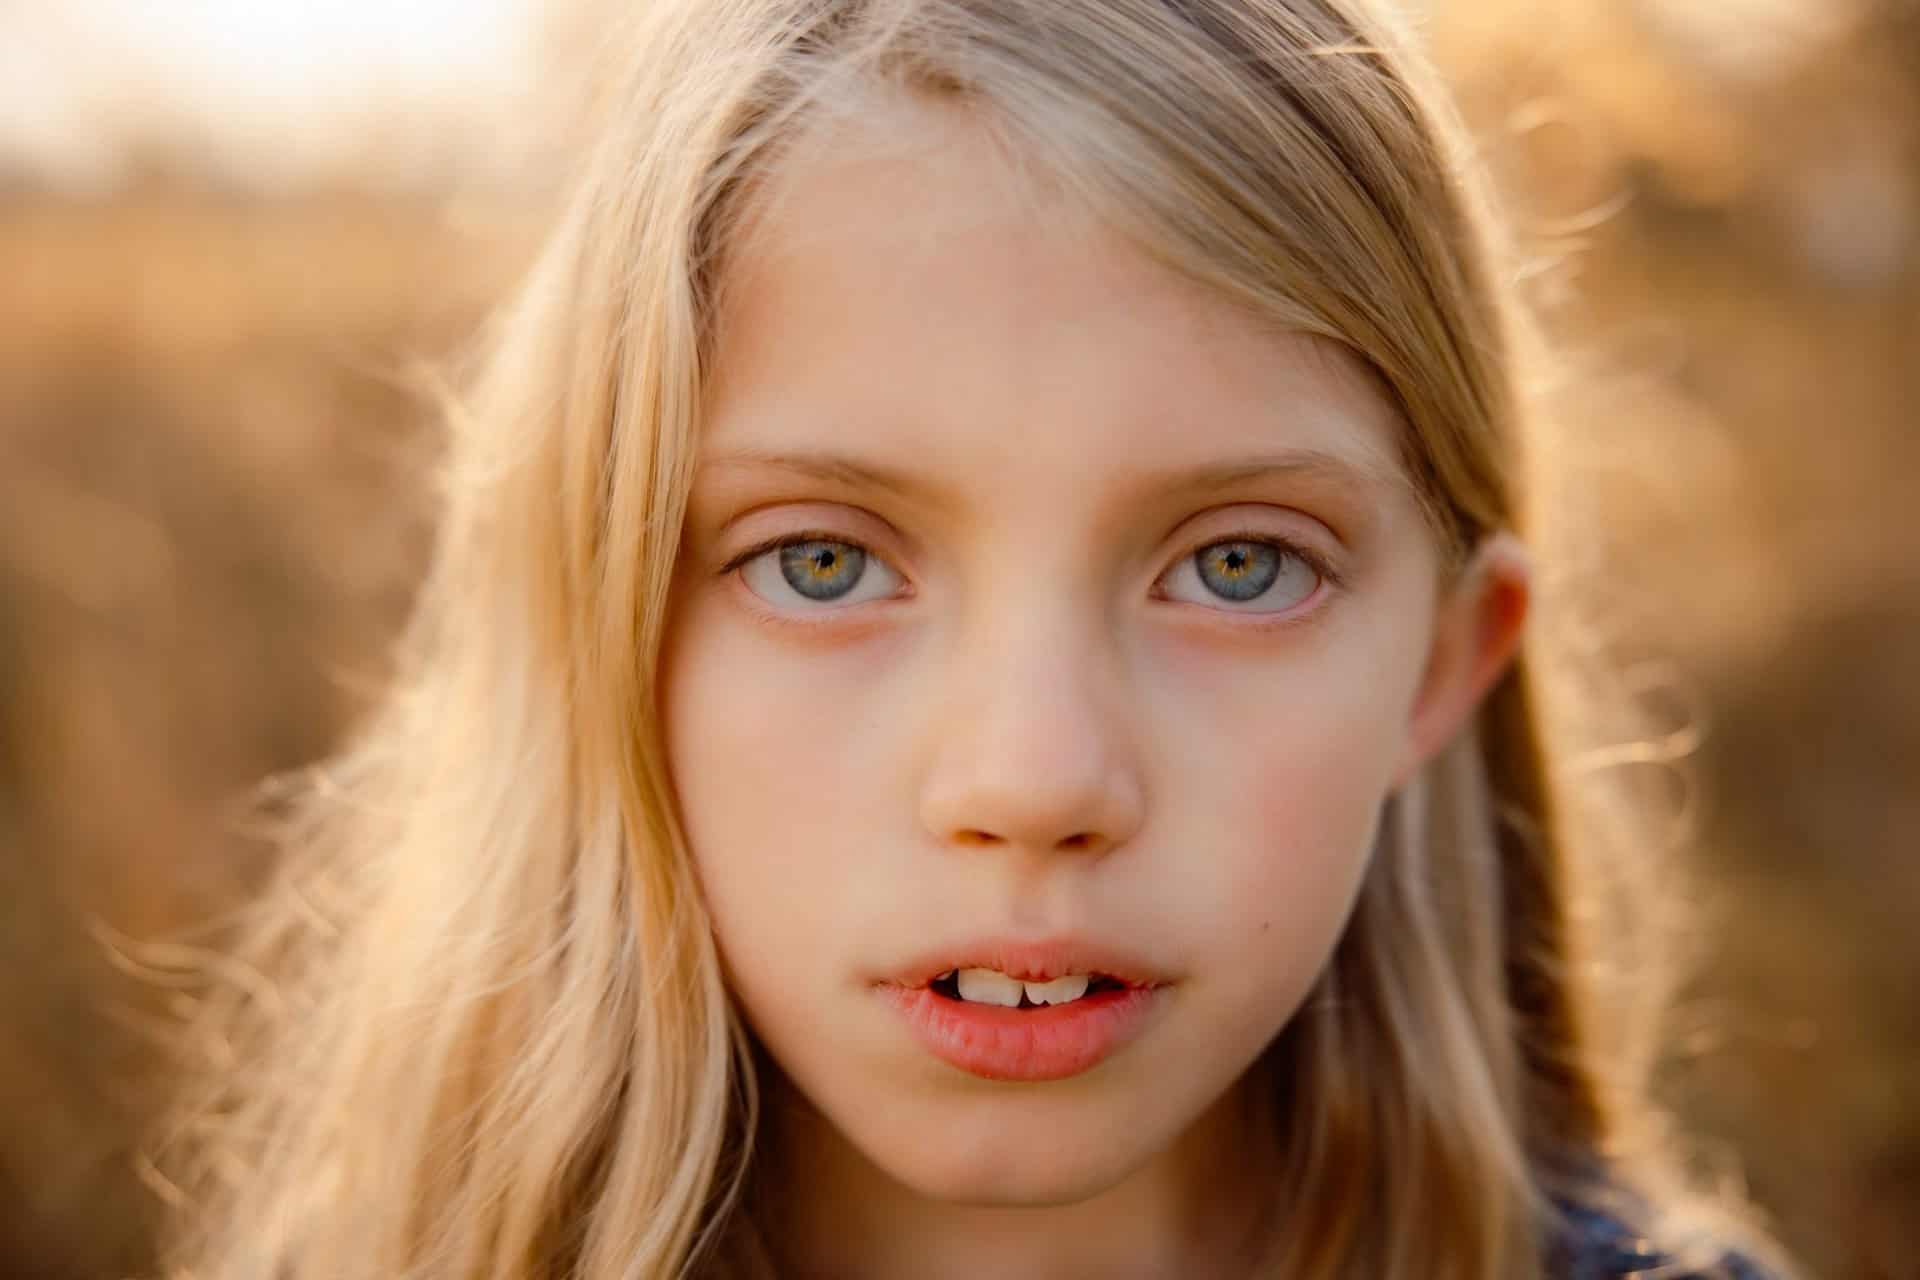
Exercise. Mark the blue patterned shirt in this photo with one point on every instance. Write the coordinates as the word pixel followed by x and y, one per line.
pixel 1598 1246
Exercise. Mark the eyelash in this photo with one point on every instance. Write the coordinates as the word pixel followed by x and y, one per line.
pixel 1300 551
pixel 1306 555
pixel 788 540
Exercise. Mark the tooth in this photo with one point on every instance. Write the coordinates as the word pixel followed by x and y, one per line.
pixel 1059 991
pixel 989 986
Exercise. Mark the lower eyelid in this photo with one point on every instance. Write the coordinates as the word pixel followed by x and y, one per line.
pixel 840 623
pixel 1307 613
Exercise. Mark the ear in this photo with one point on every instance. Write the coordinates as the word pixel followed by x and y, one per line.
pixel 1477 627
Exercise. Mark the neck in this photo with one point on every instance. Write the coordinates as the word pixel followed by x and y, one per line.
pixel 1201 1207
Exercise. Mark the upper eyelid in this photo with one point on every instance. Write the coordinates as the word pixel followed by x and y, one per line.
pixel 811 520
pixel 1232 520
pixel 862 516
pixel 774 542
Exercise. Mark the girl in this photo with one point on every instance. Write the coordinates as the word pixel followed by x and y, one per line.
pixel 966 718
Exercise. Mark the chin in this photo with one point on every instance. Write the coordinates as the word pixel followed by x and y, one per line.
pixel 1006 1153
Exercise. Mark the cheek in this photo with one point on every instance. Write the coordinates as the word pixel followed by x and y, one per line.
pixel 1284 770
pixel 779 781
pixel 1300 845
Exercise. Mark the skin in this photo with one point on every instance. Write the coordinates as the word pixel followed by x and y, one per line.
pixel 1036 716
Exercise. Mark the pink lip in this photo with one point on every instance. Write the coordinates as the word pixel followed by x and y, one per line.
pixel 1053 1042
pixel 1029 962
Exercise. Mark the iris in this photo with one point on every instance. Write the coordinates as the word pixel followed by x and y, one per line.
pixel 822 570
pixel 1238 570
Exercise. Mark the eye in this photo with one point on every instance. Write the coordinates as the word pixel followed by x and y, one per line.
pixel 818 571
pixel 1266 576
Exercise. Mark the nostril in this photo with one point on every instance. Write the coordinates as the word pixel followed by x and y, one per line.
pixel 1079 842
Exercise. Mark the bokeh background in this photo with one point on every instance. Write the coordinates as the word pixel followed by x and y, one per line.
pixel 236 239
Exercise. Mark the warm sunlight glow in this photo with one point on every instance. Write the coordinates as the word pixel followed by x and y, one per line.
pixel 265 94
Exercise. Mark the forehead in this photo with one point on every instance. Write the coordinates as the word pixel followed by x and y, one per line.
pixel 906 280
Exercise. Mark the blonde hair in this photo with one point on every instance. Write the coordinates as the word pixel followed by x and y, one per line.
pixel 478 1027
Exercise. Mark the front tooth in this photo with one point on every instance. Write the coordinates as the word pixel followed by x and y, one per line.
pixel 1059 991
pixel 990 986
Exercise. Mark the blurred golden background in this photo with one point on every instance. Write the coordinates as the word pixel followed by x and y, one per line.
pixel 232 237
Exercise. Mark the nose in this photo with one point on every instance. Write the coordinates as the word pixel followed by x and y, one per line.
pixel 1034 751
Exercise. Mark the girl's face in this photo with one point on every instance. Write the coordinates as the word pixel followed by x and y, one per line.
pixel 1041 614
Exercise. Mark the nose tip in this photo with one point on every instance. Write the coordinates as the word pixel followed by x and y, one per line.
pixel 1047 775
pixel 1031 742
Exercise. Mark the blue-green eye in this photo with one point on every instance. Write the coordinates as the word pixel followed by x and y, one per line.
pixel 818 571
pixel 1271 576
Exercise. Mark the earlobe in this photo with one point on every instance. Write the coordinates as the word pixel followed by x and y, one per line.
pixel 1477 631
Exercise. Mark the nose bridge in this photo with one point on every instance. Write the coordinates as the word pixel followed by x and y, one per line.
pixel 1033 749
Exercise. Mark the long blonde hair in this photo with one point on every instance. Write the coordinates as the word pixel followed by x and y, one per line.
pixel 477 1028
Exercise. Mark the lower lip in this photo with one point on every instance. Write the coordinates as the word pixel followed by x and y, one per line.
pixel 1052 1042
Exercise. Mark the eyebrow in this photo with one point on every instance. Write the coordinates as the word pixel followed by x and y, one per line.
pixel 1314 465
pixel 833 468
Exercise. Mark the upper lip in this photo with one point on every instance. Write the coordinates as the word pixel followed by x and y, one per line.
pixel 1030 960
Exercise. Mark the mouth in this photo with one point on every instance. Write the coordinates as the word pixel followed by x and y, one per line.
pixel 991 987
pixel 1011 973
pixel 1029 1013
